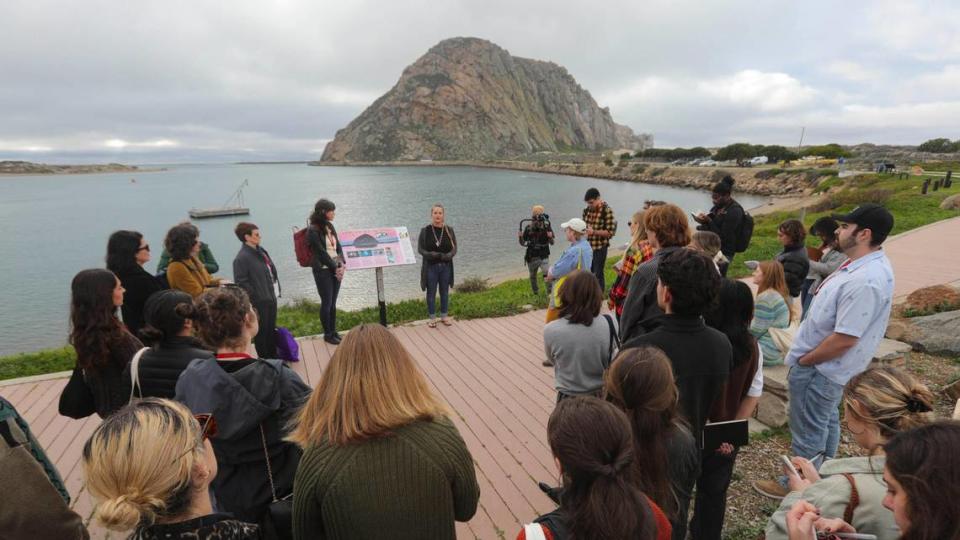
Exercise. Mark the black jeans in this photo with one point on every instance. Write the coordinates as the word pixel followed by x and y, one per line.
pixel 266 340
pixel 328 286
pixel 599 262
pixel 710 504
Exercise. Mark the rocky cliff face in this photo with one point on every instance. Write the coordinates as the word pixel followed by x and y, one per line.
pixel 467 98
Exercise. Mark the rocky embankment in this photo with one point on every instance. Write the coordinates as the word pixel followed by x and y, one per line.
pixel 773 182
pixel 26 167
pixel 468 98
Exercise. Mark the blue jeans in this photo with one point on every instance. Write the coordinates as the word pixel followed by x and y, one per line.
pixel 814 413
pixel 438 275
pixel 806 298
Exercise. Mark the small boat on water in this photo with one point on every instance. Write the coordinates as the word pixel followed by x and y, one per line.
pixel 233 206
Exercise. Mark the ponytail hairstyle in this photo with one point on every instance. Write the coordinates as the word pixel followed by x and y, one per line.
pixel 724 186
pixel 924 462
pixel 890 399
pixel 640 383
pixel 94 327
pixel 122 248
pixel 601 496
pixel 219 315
pixel 139 462
pixel 162 322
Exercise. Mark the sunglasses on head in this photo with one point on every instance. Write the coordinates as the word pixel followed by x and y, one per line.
pixel 208 429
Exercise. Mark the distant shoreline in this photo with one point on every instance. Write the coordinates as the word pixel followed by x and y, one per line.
pixel 26 168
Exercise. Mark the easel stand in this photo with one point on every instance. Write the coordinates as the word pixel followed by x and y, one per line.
pixel 381 297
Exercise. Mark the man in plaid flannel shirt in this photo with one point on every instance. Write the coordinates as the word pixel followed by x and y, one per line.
pixel 601 227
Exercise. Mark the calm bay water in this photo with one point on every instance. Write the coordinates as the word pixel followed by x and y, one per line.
pixel 54 226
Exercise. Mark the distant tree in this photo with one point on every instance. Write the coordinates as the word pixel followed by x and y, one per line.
pixel 737 151
pixel 625 156
pixel 940 146
pixel 608 162
pixel 776 153
pixel 673 153
pixel 832 151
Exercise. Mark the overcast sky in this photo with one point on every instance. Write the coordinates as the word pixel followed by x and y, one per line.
pixel 182 81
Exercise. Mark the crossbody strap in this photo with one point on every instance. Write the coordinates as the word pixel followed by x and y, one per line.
pixel 614 340
pixel 135 374
pixel 854 498
pixel 266 456
pixel 534 531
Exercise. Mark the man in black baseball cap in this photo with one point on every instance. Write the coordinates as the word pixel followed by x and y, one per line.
pixel 869 216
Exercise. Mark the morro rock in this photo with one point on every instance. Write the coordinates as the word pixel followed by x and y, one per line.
pixel 467 98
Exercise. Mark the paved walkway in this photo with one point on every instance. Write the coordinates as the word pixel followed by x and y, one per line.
pixel 489 373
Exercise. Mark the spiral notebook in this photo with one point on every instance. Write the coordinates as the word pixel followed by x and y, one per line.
pixel 735 432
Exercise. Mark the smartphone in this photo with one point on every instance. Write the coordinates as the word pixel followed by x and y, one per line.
pixel 842 535
pixel 791 469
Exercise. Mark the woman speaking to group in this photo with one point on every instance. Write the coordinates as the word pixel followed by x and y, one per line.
pixel 437 245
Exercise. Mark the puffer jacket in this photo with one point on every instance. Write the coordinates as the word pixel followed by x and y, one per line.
pixel 831 494
pixel 796 265
pixel 161 366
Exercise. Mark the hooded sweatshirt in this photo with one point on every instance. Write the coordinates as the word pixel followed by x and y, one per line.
pixel 264 394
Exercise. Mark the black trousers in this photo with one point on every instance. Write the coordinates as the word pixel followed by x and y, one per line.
pixel 266 340
pixel 599 262
pixel 328 286
pixel 710 504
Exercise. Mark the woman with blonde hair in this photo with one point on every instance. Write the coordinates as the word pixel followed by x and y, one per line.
pixel 437 244
pixel 381 456
pixel 149 466
pixel 878 404
pixel 709 242
pixel 638 252
pixel 772 308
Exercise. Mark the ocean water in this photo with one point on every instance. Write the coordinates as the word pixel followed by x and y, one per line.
pixel 51 227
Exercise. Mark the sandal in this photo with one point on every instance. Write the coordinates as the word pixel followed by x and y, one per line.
pixel 446 322
pixel 432 324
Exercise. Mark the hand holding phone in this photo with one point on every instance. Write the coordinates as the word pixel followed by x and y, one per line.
pixel 790 469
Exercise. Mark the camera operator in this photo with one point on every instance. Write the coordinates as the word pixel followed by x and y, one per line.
pixel 537 237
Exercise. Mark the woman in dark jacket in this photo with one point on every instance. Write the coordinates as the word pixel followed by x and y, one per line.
pixel 254 272
pixel 127 252
pixel 328 267
pixel 796 264
pixel 173 346
pixel 104 346
pixel 437 245
pixel 725 219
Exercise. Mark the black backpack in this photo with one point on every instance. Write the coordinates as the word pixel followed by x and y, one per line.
pixel 745 233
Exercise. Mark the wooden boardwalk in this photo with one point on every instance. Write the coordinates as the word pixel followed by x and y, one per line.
pixel 489 372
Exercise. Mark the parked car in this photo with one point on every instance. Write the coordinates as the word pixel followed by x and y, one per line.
pixel 707 163
pixel 759 160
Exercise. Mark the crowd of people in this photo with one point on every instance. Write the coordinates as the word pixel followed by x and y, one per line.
pixel 206 434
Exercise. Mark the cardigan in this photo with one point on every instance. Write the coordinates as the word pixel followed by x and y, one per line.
pixel 190 276
pixel 770 311
pixel 411 483
pixel 434 254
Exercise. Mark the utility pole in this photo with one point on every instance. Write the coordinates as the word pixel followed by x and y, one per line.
pixel 802 131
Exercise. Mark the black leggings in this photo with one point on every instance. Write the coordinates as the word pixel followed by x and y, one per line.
pixel 328 286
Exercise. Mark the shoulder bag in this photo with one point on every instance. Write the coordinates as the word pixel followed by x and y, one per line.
pixel 614 341
pixel 76 400
pixel 135 374
pixel 278 519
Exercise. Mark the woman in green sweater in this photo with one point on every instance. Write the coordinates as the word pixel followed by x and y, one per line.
pixel 772 308
pixel 381 457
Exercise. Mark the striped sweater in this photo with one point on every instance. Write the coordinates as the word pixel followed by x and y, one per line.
pixel 770 311
pixel 411 484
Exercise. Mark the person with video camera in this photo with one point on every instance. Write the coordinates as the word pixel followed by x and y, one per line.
pixel 537 237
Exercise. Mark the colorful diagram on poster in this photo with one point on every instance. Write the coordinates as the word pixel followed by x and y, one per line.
pixel 372 248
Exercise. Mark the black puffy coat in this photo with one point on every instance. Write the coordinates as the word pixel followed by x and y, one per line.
pixel 161 366
pixel 796 265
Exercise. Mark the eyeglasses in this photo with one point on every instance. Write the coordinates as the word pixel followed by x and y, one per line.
pixel 629 224
pixel 208 430
pixel 144 248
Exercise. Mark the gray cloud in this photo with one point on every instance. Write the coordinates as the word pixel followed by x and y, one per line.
pixel 255 80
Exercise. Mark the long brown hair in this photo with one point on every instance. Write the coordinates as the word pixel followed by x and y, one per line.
pixel 924 462
pixel 580 297
pixel 372 386
pixel 94 327
pixel 601 496
pixel 640 382
pixel 774 278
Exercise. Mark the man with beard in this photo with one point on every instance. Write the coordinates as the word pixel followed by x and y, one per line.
pixel 844 325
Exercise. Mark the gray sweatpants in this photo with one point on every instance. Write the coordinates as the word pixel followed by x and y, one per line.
pixel 544 266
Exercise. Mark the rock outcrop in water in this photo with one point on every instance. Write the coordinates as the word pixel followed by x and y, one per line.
pixel 26 167
pixel 467 98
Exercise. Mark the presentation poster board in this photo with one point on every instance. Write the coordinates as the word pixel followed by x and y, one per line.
pixel 373 248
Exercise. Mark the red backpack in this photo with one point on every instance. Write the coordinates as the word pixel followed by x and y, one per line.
pixel 302 248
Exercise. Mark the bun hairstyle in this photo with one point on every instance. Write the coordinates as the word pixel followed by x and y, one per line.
pixel 724 186
pixel 161 317
pixel 601 498
pixel 889 398
pixel 138 463
pixel 219 315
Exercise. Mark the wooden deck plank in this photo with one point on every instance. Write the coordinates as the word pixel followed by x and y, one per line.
pixel 49 397
pixel 15 393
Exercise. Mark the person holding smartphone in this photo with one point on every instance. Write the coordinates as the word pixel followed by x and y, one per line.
pixel 328 265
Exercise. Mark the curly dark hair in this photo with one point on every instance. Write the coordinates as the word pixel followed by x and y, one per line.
pixel 794 230
pixel 580 298
pixel 318 217
pixel 94 326
pixel 122 248
pixel 693 280
pixel 219 316
pixel 732 315
pixel 180 240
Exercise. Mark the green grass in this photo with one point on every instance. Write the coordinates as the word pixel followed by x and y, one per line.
pixel 910 210
pixel 36 363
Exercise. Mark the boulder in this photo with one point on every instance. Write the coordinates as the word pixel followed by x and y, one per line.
pixel 927 299
pixel 892 352
pixel 773 410
pixel 951 203
pixel 938 333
